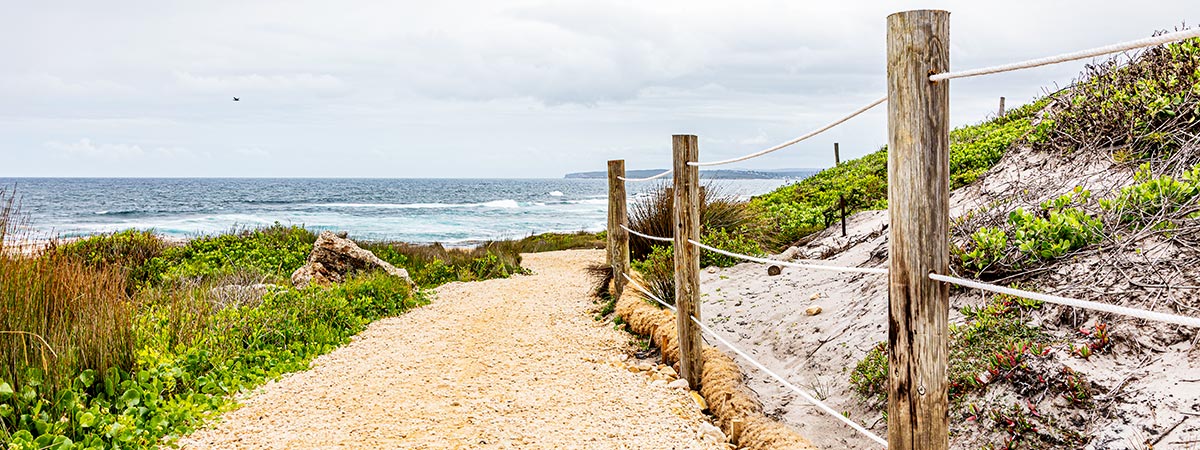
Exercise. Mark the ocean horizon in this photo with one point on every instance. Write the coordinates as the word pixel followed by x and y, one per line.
pixel 451 211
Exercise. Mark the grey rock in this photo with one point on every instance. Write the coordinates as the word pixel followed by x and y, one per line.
pixel 333 258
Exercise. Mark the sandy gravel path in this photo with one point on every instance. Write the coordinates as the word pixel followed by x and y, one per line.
pixel 514 363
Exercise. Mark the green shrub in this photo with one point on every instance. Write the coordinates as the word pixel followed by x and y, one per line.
pixel 812 204
pixel 273 252
pixel 128 250
pixel 658 272
pixel 433 265
pixel 994 339
pixel 1061 231
pixel 1151 198
pixel 1060 226
pixel 735 242
pixel 1148 106
pixel 990 245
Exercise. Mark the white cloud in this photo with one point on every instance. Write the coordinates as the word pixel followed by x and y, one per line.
pixel 250 83
pixel 440 84
pixel 85 148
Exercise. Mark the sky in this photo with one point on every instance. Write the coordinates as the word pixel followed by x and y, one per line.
pixel 490 89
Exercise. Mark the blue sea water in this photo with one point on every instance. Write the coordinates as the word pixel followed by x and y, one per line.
pixel 450 211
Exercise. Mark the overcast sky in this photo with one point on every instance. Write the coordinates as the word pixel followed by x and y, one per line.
pixel 454 88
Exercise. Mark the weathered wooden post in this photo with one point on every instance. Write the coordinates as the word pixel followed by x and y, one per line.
pixel 1001 112
pixel 837 161
pixel 618 238
pixel 919 206
pixel 687 257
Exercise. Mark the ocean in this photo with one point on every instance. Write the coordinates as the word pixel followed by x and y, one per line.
pixel 450 211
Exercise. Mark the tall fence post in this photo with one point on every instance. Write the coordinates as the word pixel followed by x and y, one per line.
pixel 919 206
pixel 687 257
pixel 1000 113
pixel 618 238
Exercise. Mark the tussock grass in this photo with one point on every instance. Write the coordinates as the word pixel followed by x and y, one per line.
pixel 58 315
pixel 653 215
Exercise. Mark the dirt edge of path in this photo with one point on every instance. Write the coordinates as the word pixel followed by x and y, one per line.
pixel 722 380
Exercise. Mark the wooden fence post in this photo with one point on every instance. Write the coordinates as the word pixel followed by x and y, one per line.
pixel 687 257
pixel 837 161
pixel 618 238
pixel 919 206
pixel 1001 112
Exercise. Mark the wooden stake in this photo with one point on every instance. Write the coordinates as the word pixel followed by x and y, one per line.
pixel 618 238
pixel 1001 112
pixel 736 426
pixel 687 257
pixel 837 156
pixel 919 206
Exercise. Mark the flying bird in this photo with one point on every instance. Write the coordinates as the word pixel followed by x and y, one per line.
pixel 237 99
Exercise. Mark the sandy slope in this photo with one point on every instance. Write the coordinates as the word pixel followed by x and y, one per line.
pixel 494 364
pixel 1146 389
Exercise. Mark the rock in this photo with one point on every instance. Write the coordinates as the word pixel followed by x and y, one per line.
pixel 645 367
pixel 812 311
pixel 815 296
pixel 334 257
pixel 634 369
pixel 696 397
pixel 679 384
pixel 774 270
pixel 711 431
pixel 658 383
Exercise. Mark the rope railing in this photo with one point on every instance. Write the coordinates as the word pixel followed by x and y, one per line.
pixel 1059 300
pixel 918 139
pixel 823 129
pixel 808 397
pixel 653 238
pixel 791 264
pixel 1065 57
pixel 652 177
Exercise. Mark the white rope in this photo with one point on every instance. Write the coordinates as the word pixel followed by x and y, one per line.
pixel 1095 306
pixel 653 177
pixel 793 141
pixel 653 238
pixel 791 264
pixel 819 404
pixel 647 292
pixel 791 386
pixel 1098 51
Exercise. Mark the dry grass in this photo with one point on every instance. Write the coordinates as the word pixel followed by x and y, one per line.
pixel 57 314
pixel 718 211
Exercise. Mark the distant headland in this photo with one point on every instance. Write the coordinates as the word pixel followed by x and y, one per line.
pixel 723 174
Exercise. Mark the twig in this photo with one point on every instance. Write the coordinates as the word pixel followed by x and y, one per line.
pixel 1168 432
